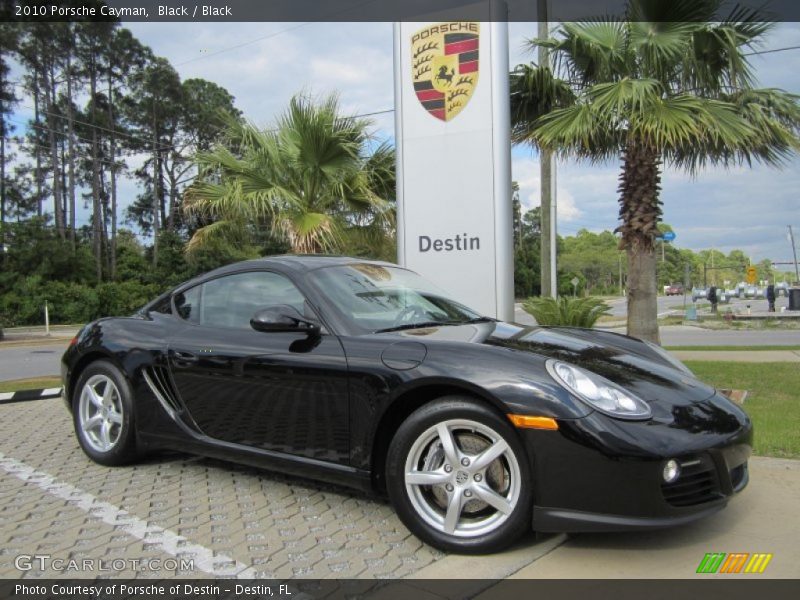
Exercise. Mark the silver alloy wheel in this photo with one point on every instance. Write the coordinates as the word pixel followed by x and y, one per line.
pixel 100 413
pixel 462 478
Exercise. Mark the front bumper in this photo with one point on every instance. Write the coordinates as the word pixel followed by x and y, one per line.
pixel 601 474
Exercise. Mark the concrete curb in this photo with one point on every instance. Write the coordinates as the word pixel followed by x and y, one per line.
pixel 27 395
pixel 471 575
pixel 34 341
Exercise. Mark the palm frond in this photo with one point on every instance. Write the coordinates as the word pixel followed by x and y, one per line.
pixel 580 130
pixel 624 96
pixel 222 235
pixel 534 93
pixel 307 179
pixel 566 311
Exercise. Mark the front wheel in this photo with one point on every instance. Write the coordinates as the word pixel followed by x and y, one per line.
pixel 459 478
pixel 103 415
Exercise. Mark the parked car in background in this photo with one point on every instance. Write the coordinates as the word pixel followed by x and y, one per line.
pixel 698 293
pixel 676 289
pixel 781 289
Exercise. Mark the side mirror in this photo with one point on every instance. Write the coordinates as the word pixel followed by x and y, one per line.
pixel 284 319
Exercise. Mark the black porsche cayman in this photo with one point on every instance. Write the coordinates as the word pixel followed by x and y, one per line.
pixel 362 373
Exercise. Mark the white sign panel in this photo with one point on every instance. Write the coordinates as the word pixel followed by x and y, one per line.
pixel 453 159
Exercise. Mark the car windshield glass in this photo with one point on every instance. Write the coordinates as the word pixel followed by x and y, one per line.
pixel 380 298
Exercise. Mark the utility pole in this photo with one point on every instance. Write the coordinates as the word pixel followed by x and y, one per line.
pixel 794 252
pixel 547 178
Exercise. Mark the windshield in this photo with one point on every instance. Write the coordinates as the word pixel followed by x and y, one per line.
pixel 377 298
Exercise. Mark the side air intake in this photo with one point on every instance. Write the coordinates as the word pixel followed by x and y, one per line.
pixel 159 382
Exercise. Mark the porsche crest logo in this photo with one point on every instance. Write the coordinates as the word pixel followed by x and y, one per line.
pixel 444 65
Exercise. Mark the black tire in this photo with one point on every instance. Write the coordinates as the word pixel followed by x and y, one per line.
pixel 410 437
pixel 123 450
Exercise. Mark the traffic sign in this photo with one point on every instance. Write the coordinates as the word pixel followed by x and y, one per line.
pixel 668 236
pixel 751 275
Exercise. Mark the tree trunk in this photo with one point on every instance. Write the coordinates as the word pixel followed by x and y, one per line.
pixel 62 149
pixel 104 197
pixel 156 176
pixel 97 233
pixel 640 212
pixel 172 176
pixel 71 150
pixel 642 295
pixel 37 147
pixel 113 151
pixel 50 93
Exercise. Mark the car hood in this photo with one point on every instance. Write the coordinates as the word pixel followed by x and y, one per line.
pixel 624 360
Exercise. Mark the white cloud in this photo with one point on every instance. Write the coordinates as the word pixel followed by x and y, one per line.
pixel 526 173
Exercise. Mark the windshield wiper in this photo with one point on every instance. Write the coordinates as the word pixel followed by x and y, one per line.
pixel 422 324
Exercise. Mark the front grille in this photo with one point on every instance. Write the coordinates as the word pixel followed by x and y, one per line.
pixel 697 484
pixel 159 382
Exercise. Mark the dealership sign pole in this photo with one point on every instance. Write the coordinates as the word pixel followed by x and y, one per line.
pixel 452 127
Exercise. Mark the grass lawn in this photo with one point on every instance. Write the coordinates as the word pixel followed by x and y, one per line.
pixel 16 385
pixel 773 402
pixel 732 348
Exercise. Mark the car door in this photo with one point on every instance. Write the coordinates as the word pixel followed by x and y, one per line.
pixel 279 391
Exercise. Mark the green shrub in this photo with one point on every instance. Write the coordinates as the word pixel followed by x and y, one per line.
pixel 123 298
pixel 70 302
pixel 566 311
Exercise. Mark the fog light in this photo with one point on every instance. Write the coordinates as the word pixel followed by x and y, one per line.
pixel 672 471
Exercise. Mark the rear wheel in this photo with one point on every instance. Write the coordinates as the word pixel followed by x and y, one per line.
pixel 459 478
pixel 103 415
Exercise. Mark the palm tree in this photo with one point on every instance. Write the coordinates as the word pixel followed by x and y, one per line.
pixel 308 181
pixel 669 84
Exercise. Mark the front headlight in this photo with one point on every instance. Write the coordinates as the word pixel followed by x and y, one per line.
pixel 669 358
pixel 598 392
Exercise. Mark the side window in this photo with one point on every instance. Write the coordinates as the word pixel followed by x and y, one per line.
pixel 232 301
pixel 187 304
pixel 163 306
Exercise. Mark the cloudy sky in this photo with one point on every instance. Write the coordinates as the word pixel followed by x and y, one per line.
pixel 264 64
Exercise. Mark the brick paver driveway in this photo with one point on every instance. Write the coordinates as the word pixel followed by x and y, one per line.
pixel 229 520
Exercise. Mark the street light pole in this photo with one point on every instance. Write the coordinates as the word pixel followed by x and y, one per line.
pixel 547 180
pixel 794 252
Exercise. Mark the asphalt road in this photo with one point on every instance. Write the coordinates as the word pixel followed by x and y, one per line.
pixel 23 362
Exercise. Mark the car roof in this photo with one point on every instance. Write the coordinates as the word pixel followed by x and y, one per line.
pixel 302 262
pixel 298 263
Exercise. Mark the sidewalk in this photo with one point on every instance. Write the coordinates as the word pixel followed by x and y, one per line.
pixel 762 519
